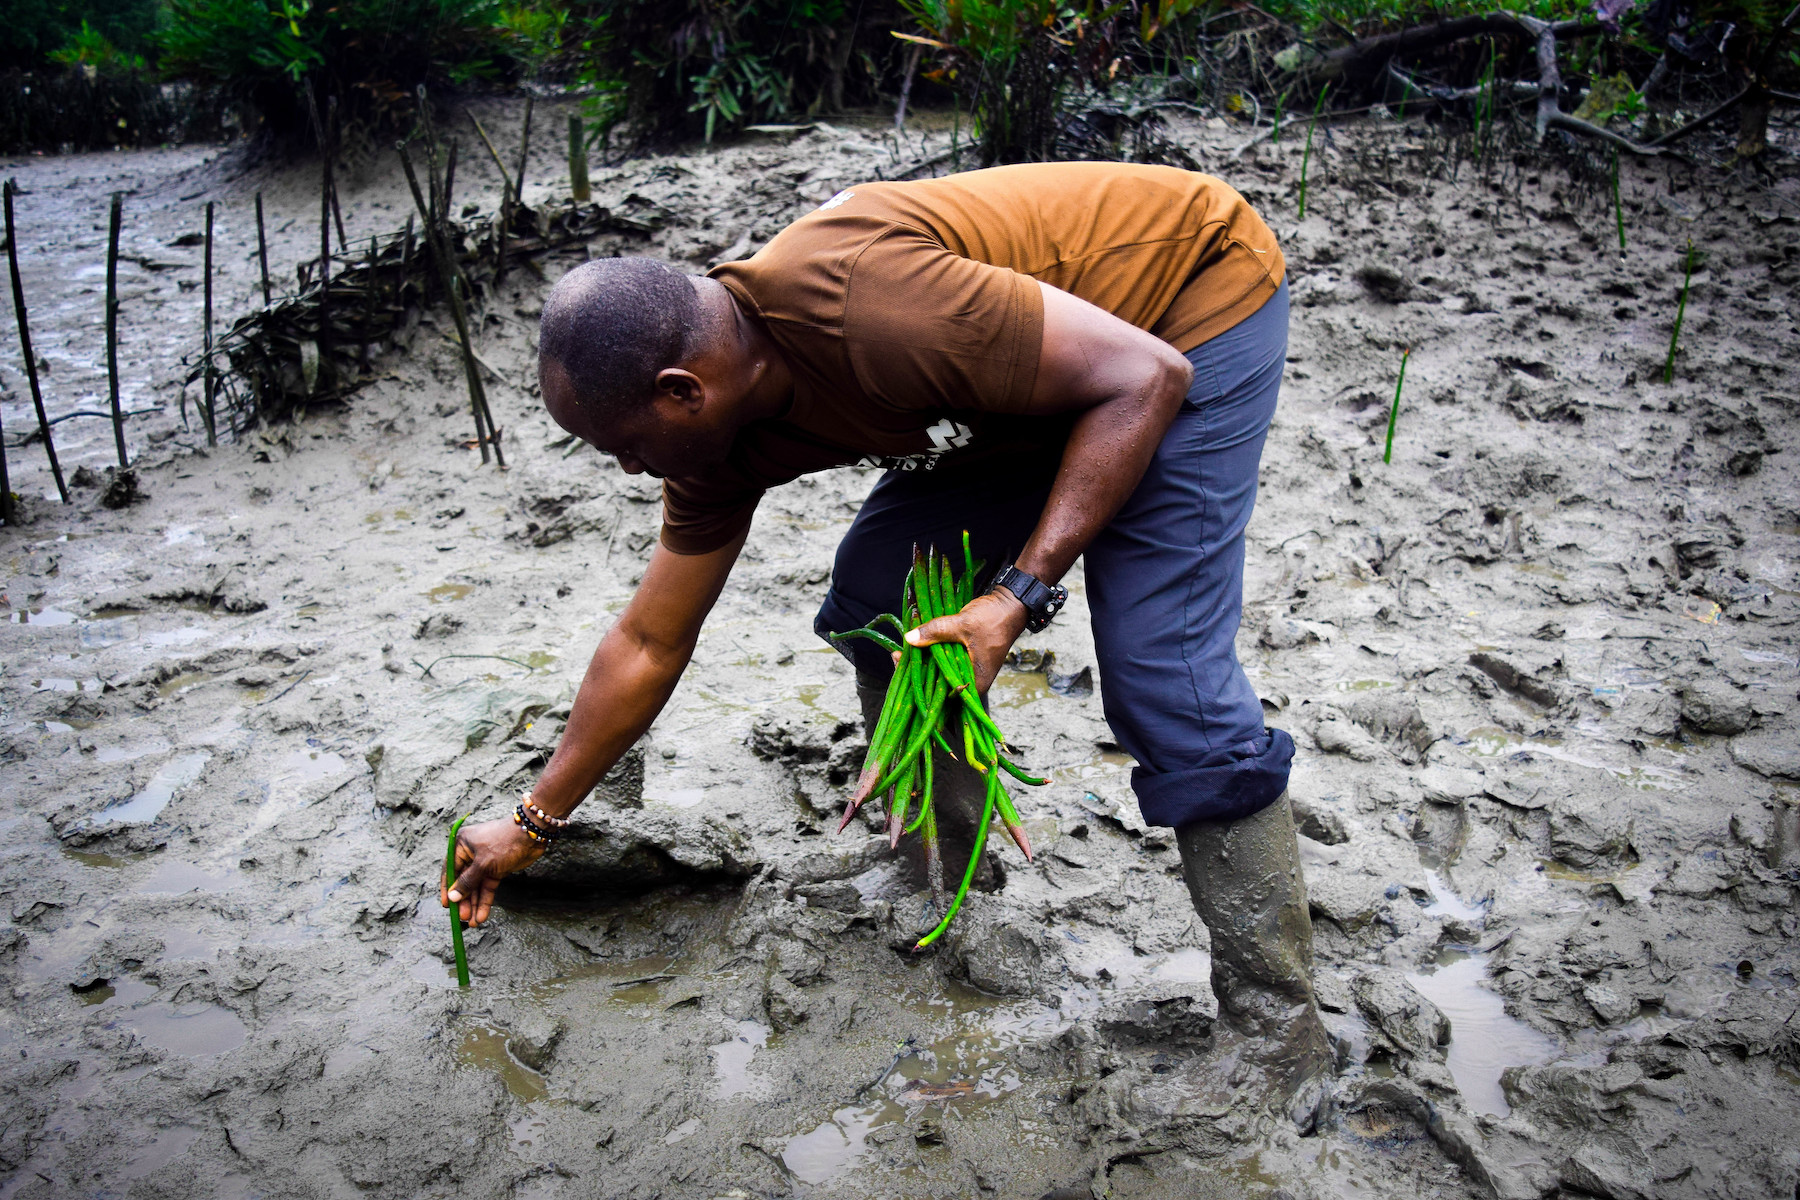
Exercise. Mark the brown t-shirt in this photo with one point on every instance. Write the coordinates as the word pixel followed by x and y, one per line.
pixel 910 316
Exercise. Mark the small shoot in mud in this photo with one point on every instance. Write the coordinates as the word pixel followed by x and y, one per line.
pixel 456 925
pixel 1680 314
pixel 1306 154
pixel 1387 455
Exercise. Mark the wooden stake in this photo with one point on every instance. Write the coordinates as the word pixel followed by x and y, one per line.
pixel 506 200
pixel 446 278
pixel 37 396
pixel 331 145
pixel 449 184
pixel 6 501
pixel 505 178
pixel 578 171
pixel 524 146
pixel 262 249
pixel 371 297
pixel 206 375
pixel 406 253
pixel 326 374
pixel 112 327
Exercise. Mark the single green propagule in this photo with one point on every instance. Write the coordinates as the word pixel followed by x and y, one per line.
pixel 932 701
pixel 1387 455
pixel 1306 154
pixel 456 925
pixel 1680 314
pixel 1618 208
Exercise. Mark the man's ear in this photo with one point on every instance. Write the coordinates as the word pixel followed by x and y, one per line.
pixel 682 387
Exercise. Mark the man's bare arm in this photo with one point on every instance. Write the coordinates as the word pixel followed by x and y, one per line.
pixel 629 679
pixel 1128 385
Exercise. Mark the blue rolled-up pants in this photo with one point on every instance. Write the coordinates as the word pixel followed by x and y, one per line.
pixel 1165 579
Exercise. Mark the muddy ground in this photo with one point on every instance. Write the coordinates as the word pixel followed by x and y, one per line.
pixel 1543 670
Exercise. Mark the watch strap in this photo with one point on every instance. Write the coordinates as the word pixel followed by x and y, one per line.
pixel 1042 600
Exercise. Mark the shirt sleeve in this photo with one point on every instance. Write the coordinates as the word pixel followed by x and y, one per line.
pixel 926 328
pixel 702 515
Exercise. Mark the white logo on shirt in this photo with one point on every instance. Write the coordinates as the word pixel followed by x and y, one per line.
pixel 946 435
pixel 949 435
pixel 836 200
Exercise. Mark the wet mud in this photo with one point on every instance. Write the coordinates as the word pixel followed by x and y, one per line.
pixel 1542 670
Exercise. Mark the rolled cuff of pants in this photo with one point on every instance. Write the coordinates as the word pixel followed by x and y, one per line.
pixel 1226 791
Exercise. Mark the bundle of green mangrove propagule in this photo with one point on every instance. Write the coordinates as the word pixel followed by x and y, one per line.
pixel 932 701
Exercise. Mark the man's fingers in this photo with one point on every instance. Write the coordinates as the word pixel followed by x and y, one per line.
pixel 464 856
pixel 943 629
pixel 488 888
pixel 463 891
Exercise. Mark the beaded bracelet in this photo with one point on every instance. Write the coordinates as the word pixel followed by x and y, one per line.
pixel 542 817
pixel 531 830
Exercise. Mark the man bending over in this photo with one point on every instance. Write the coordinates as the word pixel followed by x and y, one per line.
pixel 1066 359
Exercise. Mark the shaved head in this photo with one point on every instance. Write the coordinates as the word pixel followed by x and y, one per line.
pixel 611 324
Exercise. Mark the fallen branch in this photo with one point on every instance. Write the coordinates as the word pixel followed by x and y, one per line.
pixel 1365 60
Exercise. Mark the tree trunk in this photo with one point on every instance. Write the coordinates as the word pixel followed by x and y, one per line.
pixel 1753 123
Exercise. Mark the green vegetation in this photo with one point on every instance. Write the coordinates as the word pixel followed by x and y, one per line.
pixel 370 54
pixel 103 33
pixel 1387 455
pixel 932 700
pixel 702 68
pixel 1030 79
pixel 456 925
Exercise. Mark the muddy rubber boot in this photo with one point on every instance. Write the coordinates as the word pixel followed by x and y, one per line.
pixel 959 793
pixel 1246 883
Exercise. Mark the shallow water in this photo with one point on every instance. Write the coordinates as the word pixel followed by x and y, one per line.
pixel 1484 1039
pixel 148 804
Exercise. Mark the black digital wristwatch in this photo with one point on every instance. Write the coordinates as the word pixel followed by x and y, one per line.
pixel 1042 600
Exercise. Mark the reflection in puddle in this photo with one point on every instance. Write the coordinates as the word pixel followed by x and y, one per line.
pixel 192 1030
pixel 174 877
pixel 308 765
pixel 970 1068
pixel 484 1047
pixel 1016 689
pixel 169 1145
pixel 685 1129
pixel 1484 1040
pixel 731 1061
pixel 445 593
pixel 822 1154
pixel 1446 903
pixel 53 684
pixel 1493 742
pixel 41 616
pixel 180 771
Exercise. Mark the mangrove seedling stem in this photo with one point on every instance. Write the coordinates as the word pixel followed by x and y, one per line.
pixel 31 375
pixel 206 371
pixel 1680 313
pixel 1306 154
pixel 262 249
pixel 112 326
pixel 456 938
pixel 578 169
pixel 1387 455
pixel 524 147
pixel 1618 208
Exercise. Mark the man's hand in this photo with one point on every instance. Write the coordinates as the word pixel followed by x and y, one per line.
pixel 988 627
pixel 628 681
pixel 486 854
